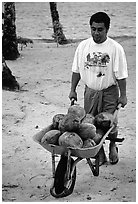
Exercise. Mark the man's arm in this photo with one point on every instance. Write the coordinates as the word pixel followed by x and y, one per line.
pixel 122 87
pixel 74 82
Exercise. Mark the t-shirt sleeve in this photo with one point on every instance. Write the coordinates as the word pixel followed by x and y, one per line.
pixel 75 64
pixel 120 63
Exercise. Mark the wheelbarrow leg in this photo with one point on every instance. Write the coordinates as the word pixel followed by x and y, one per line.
pixel 68 175
pixel 53 169
pixel 53 163
pixel 94 168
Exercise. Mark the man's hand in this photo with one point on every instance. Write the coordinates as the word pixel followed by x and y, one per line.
pixel 73 94
pixel 122 100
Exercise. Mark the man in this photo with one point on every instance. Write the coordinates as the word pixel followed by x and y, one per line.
pixel 100 62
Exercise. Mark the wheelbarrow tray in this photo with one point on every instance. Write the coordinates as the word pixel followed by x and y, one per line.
pixel 90 152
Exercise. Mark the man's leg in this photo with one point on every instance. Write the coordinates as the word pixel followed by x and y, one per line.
pixel 110 101
pixel 113 149
pixel 102 156
pixel 90 104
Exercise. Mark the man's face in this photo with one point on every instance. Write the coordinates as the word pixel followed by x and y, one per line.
pixel 98 32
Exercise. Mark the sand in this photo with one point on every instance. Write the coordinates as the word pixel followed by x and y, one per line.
pixel 44 73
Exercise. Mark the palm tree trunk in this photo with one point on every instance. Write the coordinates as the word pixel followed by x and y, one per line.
pixel 57 27
pixel 8 79
pixel 9 38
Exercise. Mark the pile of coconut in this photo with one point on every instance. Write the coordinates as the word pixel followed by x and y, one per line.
pixel 77 129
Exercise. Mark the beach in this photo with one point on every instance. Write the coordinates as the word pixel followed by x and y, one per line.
pixel 33 19
pixel 43 71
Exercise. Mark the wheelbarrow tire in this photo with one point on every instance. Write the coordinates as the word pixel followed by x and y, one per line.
pixel 59 190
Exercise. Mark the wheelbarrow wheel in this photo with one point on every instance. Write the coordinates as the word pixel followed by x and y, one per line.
pixel 59 190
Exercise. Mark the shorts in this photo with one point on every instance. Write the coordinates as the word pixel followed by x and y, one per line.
pixel 105 100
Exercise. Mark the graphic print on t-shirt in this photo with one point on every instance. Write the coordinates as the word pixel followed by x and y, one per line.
pixel 97 62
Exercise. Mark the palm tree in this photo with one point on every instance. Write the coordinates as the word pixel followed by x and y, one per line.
pixel 57 27
pixel 8 79
pixel 9 38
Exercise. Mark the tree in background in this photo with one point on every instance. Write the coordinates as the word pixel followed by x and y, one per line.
pixel 9 81
pixel 9 46
pixel 9 38
pixel 57 27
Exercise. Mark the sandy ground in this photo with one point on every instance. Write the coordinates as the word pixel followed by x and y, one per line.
pixel 44 73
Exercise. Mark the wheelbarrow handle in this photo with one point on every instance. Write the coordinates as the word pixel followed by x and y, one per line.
pixel 115 139
pixel 119 106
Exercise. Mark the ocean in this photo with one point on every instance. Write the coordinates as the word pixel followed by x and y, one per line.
pixel 33 19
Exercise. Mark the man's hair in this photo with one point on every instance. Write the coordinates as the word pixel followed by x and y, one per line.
pixel 100 17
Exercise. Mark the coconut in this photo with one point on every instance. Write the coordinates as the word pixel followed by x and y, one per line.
pixel 89 118
pixel 56 119
pixel 51 137
pixel 70 123
pixel 89 143
pixel 70 139
pixel 99 135
pixel 104 120
pixel 87 130
pixel 77 110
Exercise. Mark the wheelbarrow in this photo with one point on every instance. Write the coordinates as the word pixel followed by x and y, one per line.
pixel 64 175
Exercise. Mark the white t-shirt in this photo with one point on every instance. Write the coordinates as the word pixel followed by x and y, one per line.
pixel 100 65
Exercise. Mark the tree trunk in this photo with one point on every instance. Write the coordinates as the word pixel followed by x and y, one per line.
pixel 57 27
pixel 9 38
pixel 8 79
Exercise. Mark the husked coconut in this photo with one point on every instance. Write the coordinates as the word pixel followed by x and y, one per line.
pixel 77 110
pixel 89 118
pixel 70 123
pixel 87 130
pixel 103 120
pixel 70 139
pixel 51 137
pixel 99 135
pixel 89 143
pixel 56 119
